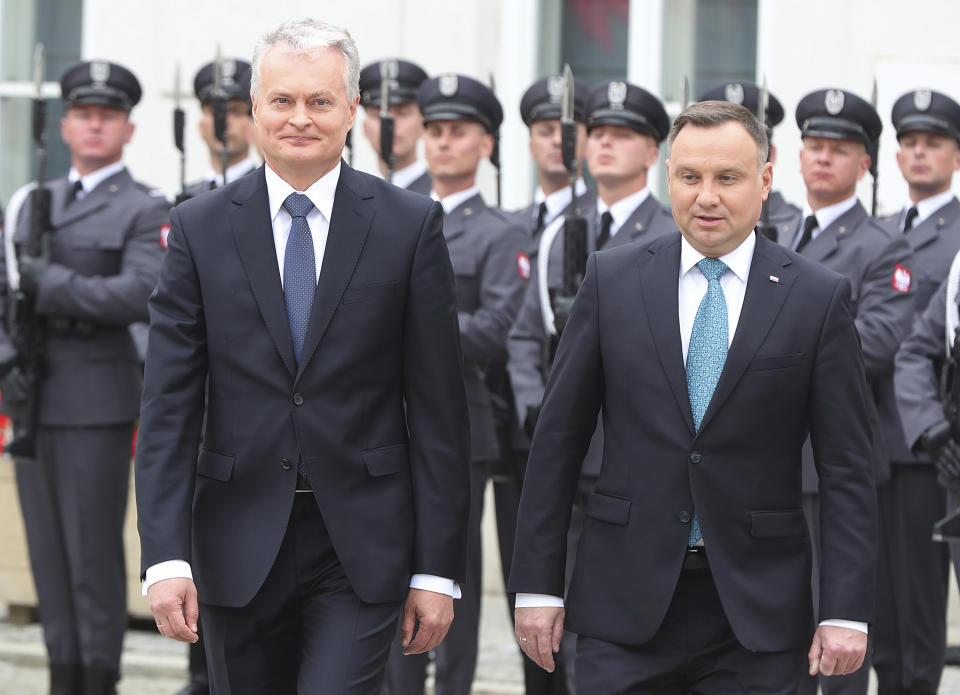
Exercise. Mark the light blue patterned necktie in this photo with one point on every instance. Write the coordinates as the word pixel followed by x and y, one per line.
pixel 299 270
pixel 707 351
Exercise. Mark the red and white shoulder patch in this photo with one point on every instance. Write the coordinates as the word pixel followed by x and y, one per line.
pixel 901 279
pixel 523 265
pixel 164 233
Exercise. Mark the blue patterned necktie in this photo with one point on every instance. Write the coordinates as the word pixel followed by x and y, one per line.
pixel 707 351
pixel 299 270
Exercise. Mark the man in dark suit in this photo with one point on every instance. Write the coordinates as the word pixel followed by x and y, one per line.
pixel 693 571
pixel 319 302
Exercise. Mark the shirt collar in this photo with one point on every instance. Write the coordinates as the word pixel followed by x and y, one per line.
pixel 320 192
pixel 94 178
pixel 455 200
pixel 404 177
pixel 928 206
pixel 556 201
pixel 738 261
pixel 828 215
pixel 234 171
pixel 623 208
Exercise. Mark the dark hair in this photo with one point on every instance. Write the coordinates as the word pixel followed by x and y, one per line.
pixel 712 114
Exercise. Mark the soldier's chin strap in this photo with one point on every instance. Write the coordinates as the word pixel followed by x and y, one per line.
pixel 550 233
pixel 17 200
pixel 952 321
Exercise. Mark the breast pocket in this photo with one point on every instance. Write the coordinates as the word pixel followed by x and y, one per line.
pixel 369 293
pixel 466 272
pixel 784 361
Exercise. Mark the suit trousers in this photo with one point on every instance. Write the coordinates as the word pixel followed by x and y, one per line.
pixel 74 499
pixel 306 630
pixel 693 652
pixel 913 577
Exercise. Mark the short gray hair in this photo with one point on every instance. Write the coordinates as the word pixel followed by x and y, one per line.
pixel 308 36
pixel 712 114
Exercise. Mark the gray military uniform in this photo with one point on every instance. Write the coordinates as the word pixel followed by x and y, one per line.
pixel 783 214
pixel 192 190
pixel 423 184
pixel 527 219
pixel 105 257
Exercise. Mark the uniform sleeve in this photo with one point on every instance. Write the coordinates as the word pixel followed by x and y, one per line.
pixel 525 351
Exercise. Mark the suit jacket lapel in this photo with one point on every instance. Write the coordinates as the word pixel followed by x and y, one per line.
pixel 761 304
pixel 350 223
pixel 659 271
pixel 253 236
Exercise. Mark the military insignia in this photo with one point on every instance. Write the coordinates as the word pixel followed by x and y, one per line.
pixel 734 92
pixel 616 94
pixel 901 279
pixel 164 233
pixel 833 101
pixel 99 71
pixel 449 84
pixel 775 279
pixel 555 88
pixel 922 99
pixel 523 265
pixel 389 69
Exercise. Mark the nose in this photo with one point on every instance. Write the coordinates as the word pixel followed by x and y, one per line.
pixel 707 196
pixel 299 118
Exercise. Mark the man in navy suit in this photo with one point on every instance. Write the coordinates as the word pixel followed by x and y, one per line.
pixel 712 353
pixel 316 307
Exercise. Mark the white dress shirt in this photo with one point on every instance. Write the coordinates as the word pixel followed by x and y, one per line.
pixel 404 177
pixel 94 178
pixel 455 200
pixel 556 201
pixel 825 217
pixel 321 194
pixel 234 172
pixel 622 209
pixel 926 207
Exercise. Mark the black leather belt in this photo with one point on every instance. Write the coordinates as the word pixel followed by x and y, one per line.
pixel 303 484
pixel 68 327
pixel 695 558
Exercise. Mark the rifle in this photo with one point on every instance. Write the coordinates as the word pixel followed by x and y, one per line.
pixel 495 152
pixel 348 143
pixel 26 328
pixel 764 227
pixel 948 528
pixel 220 105
pixel 874 153
pixel 388 71
pixel 179 122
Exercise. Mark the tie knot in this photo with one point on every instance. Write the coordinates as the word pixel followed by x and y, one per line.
pixel 909 219
pixel 606 219
pixel 809 224
pixel 298 205
pixel 712 268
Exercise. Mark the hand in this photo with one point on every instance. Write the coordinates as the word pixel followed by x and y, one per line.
pixel 32 269
pixel 173 603
pixel 15 388
pixel 947 463
pixel 836 651
pixel 539 631
pixel 427 613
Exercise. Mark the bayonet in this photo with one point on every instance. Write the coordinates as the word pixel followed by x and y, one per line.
pixel 763 101
pixel 218 102
pixel 684 93
pixel 495 152
pixel 388 70
pixel 874 153
pixel 568 132
pixel 179 122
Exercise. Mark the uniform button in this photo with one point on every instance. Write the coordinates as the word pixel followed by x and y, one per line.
pixel 285 464
pixel 685 517
pixel 298 399
pixel 696 457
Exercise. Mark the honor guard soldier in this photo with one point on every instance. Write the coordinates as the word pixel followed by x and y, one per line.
pixel 408 171
pixel 910 635
pixel 839 130
pixel 239 124
pixel 102 263
pixel 461 117
pixel 625 126
pixel 540 111
pixel 780 212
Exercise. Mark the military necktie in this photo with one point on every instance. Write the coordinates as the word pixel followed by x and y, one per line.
pixel 809 225
pixel 707 351
pixel 541 217
pixel 75 190
pixel 299 270
pixel 606 219
pixel 908 220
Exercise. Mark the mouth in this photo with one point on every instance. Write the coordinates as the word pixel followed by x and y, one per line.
pixel 708 221
pixel 298 139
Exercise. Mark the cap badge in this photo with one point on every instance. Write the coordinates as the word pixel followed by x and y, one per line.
pixel 449 84
pixel 389 69
pixel 922 99
pixel 734 92
pixel 99 72
pixel 833 101
pixel 555 88
pixel 616 94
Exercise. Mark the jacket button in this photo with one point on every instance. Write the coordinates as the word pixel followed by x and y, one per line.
pixel 285 464
pixel 696 457
pixel 298 399
pixel 685 517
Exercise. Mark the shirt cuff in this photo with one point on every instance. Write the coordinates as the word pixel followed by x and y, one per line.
pixel 851 624
pixel 431 582
pixel 538 601
pixel 165 570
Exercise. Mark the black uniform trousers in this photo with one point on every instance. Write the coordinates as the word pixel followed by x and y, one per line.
pixel 74 499
pixel 306 630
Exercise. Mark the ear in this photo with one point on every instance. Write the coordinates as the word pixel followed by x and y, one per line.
pixel 129 132
pixel 486 144
pixel 766 180
pixel 653 154
pixel 256 110
pixel 667 165
pixel 353 109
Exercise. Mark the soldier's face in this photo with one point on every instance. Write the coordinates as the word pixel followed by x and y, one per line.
pixel 546 148
pixel 716 187
pixel 454 149
pixel 407 130
pixel 616 155
pixel 302 112
pixel 831 169
pixel 238 129
pixel 927 161
pixel 95 135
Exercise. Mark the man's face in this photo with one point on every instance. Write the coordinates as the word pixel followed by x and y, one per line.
pixel 238 129
pixel 302 112
pixel 407 130
pixel 831 168
pixel 927 161
pixel 95 135
pixel 616 153
pixel 546 150
pixel 454 148
pixel 716 186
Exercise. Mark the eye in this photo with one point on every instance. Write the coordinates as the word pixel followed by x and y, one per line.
pixel 728 178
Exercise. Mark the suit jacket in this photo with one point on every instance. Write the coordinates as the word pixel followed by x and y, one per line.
pixel 857 246
pixel 105 255
pixel 376 407
pixel 793 367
